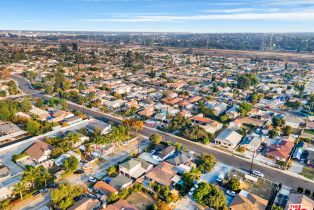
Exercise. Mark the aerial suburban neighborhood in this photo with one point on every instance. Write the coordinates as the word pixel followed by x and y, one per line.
pixel 156 121
pixel 153 128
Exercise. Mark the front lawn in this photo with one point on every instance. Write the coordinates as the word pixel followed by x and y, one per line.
pixel 308 173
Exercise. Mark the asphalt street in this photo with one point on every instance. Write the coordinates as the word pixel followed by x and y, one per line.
pixel 276 175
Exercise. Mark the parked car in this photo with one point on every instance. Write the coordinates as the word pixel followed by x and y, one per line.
pixel 79 171
pixel 43 190
pixel 257 173
pixel 36 193
pixel 53 185
pixel 92 179
pixel 221 177
pixel 231 193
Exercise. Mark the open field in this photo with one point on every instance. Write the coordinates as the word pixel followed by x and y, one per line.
pixel 268 55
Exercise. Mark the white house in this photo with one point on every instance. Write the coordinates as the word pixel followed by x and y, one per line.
pixel 228 138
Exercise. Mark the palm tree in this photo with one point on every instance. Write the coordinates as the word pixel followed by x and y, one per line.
pixel 45 176
pixel 138 125
pixel 20 187
pixel 31 174
pixel 127 123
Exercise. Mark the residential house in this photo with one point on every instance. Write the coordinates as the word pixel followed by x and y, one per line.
pixel 162 174
pixel 72 120
pixel 239 122
pixel 61 115
pixel 22 115
pixel 172 101
pixel 4 172
pixel 85 203
pixel 248 201
pixel 233 112
pixel 185 104
pixel 279 150
pixel 147 112
pixel 134 168
pixel 104 188
pixel 180 158
pixel 9 131
pixel 122 89
pixel 309 125
pixel 228 138
pixel 209 125
pixel 161 116
pixel 97 125
pixel 42 115
pixel 252 142
pixel 132 103
pixel 297 198
pixel 61 159
pixel 165 153
pixel 148 157
pixel 39 151
pixel 120 182
pixel 305 153
pixel 113 104
pixel 217 107
pixel 292 121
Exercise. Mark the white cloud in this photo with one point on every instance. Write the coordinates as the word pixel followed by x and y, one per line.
pixel 306 15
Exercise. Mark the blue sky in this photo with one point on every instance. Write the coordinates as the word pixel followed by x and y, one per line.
pixel 159 15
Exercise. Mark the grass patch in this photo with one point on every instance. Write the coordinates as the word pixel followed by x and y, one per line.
pixel 309 131
pixel 308 173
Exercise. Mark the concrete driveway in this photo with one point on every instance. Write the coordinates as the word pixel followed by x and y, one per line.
pixel 219 168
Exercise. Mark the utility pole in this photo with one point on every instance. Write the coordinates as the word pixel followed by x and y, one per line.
pixel 252 161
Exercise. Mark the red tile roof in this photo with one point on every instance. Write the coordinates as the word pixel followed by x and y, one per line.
pixel 281 150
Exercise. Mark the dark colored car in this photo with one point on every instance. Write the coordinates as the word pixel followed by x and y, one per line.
pixel 53 185
pixel 79 171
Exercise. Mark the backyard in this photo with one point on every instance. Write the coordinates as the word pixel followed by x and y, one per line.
pixel 140 200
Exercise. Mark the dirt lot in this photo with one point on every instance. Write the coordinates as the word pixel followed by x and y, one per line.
pixel 262 187
pixel 140 200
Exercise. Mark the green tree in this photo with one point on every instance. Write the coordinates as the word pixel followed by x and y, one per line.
pixel 39 102
pixel 254 98
pixel 112 170
pixel 243 82
pixel 277 122
pixel 246 81
pixel 26 105
pixel 273 133
pixel 33 127
pixel 3 93
pixel 20 189
pixel 49 89
pixel 64 104
pixel 64 196
pixel 245 108
pixel 206 162
pixel 286 130
pixel 275 207
pixel 155 138
pixel 210 195
pixel 71 164
pixel 5 114
pixel 234 184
